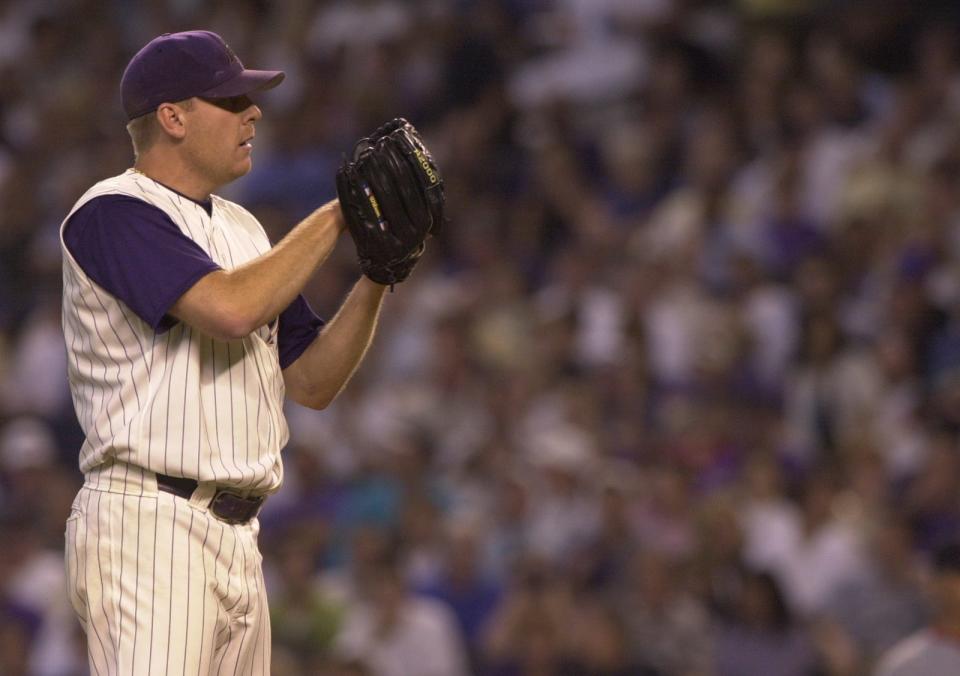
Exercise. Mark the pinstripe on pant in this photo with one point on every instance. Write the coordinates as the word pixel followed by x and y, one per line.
pixel 161 586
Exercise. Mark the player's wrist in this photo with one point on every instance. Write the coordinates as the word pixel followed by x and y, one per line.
pixel 340 221
pixel 327 218
pixel 373 287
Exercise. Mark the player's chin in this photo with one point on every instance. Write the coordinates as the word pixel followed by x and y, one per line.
pixel 242 167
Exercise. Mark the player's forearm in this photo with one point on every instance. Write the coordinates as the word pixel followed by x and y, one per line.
pixel 324 369
pixel 230 304
pixel 264 287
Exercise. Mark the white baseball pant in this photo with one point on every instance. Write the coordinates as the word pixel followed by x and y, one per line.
pixel 161 586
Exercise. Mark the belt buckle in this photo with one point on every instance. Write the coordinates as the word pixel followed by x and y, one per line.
pixel 234 509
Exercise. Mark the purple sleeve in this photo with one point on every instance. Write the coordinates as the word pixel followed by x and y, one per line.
pixel 135 252
pixel 299 325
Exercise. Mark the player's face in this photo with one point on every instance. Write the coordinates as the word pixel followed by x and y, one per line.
pixel 220 137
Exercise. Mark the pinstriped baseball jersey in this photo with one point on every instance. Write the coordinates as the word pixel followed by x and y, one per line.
pixel 177 402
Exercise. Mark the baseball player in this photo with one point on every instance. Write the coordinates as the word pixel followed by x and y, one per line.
pixel 184 331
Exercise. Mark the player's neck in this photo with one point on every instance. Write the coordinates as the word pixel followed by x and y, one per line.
pixel 175 176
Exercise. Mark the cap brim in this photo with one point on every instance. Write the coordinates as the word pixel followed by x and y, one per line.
pixel 247 82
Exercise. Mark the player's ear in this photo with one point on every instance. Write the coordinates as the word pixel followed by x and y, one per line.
pixel 171 118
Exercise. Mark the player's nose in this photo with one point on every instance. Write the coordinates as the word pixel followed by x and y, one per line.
pixel 252 113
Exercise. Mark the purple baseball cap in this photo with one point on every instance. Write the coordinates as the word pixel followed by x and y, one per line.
pixel 178 66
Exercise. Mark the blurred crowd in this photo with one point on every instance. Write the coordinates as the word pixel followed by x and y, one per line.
pixel 675 393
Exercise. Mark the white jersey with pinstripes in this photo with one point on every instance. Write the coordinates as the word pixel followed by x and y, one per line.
pixel 178 402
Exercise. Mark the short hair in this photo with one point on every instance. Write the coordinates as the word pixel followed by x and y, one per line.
pixel 144 130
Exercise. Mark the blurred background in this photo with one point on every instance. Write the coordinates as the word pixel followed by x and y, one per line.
pixel 677 392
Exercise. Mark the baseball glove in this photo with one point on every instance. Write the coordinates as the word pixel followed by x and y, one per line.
pixel 392 199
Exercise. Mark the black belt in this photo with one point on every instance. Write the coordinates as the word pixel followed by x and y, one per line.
pixel 225 505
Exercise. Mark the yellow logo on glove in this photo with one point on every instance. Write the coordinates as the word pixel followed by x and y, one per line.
pixel 376 206
pixel 431 174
